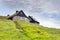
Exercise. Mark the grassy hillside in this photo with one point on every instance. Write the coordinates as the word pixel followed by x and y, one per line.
pixel 3 17
pixel 21 30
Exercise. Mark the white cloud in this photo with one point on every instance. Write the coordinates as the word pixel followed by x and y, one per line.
pixel 45 5
pixel 50 23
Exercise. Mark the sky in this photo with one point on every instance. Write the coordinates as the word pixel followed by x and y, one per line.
pixel 47 12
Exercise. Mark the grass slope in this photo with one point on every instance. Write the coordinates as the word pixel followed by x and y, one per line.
pixel 3 17
pixel 21 30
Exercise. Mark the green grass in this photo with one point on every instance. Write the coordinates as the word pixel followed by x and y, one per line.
pixel 3 17
pixel 22 30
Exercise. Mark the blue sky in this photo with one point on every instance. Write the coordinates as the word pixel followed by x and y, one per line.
pixel 47 12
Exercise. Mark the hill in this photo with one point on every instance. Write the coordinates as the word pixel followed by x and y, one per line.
pixel 3 17
pixel 21 30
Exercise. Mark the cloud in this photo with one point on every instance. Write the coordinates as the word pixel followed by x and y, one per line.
pixel 48 22
pixel 56 3
pixel 46 5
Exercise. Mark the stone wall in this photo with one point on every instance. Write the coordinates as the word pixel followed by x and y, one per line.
pixel 16 18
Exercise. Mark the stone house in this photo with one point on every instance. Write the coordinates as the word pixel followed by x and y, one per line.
pixel 20 15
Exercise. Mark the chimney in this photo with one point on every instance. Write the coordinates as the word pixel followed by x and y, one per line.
pixel 21 10
pixel 16 11
pixel 8 15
